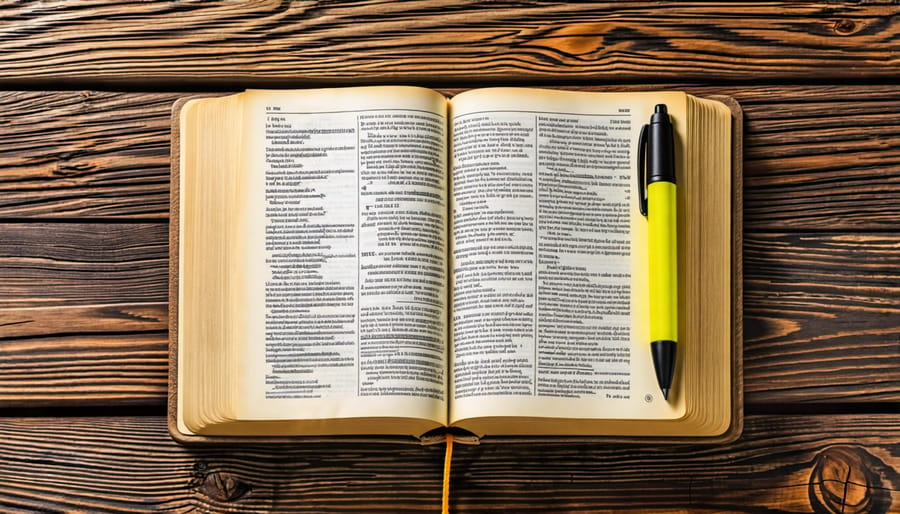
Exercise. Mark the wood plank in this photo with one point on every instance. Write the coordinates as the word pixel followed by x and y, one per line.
pixel 821 318
pixel 83 316
pixel 815 158
pixel 833 463
pixel 109 370
pixel 65 264
pixel 129 43
pixel 75 319
pixel 81 153
pixel 824 158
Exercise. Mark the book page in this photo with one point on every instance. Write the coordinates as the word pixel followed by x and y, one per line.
pixel 549 257
pixel 345 202
pixel 203 328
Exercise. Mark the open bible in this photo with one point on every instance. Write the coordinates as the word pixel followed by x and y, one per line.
pixel 387 261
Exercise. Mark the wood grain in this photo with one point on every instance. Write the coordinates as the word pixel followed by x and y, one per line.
pixel 64 264
pixel 821 318
pixel 110 370
pixel 825 158
pixel 83 314
pixel 55 320
pixel 127 464
pixel 815 157
pixel 270 43
pixel 84 154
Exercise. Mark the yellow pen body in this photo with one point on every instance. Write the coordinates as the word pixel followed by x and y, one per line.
pixel 656 181
pixel 663 261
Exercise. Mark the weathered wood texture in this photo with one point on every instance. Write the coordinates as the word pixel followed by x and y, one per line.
pixel 815 158
pixel 61 264
pixel 821 317
pixel 84 370
pixel 129 464
pixel 84 154
pixel 270 43
pixel 84 315
pixel 822 158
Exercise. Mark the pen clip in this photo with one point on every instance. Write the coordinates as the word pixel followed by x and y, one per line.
pixel 642 170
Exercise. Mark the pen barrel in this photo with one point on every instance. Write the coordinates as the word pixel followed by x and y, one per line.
pixel 663 261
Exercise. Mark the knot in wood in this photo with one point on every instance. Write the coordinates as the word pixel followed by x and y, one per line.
pixel 218 485
pixel 848 480
pixel 70 164
pixel 844 26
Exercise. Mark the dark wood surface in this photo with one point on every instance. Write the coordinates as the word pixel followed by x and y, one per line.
pixel 84 177
pixel 124 464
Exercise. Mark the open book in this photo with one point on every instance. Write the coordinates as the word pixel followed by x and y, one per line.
pixel 383 260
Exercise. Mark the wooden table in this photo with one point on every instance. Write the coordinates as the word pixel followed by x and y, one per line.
pixel 84 182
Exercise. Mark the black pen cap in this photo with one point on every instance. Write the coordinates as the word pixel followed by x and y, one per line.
pixel 660 147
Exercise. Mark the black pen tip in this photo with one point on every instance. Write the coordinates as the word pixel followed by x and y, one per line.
pixel 660 108
pixel 663 352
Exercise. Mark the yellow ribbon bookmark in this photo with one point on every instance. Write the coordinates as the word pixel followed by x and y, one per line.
pixel 445 494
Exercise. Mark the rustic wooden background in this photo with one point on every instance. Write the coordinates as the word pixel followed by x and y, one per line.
pixel 84 179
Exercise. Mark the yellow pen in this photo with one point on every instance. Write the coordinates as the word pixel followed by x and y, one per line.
pixel 657 190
